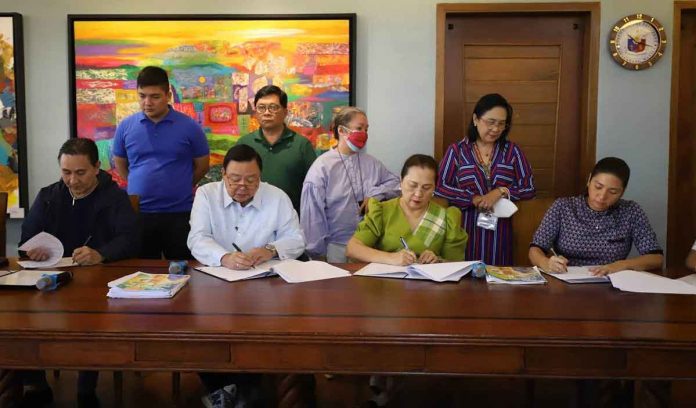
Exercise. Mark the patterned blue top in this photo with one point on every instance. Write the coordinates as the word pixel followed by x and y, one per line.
pixel 588 237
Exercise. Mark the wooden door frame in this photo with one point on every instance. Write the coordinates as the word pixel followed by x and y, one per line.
pixel 588 103
pixel 680 7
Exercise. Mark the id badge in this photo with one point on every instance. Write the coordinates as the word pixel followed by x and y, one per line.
pixel 487 221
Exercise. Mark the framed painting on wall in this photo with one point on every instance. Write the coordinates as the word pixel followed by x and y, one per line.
pixel 216 63
pixel 13 150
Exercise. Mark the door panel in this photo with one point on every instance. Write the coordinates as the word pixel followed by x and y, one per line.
pixel 681 228
pixel 535 61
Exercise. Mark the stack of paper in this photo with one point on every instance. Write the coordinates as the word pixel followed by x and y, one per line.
pixel 141 285
pixel 646 282
pixel 291 270
pixel 438 272
pixel 52 246
pixel 513 275
pixel 578 274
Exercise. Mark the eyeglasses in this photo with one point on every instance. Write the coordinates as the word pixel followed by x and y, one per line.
pixel 273 108
pixel 242 181
pixel 425 189
pixel 500 124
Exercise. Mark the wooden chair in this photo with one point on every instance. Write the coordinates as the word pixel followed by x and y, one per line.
pixel 524 224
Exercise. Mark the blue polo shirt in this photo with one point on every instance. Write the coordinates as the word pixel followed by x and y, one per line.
pixel 160 159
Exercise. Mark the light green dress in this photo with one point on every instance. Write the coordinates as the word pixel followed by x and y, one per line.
pixel 439 230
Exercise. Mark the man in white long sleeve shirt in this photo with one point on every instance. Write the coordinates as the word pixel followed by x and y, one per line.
pixel 240 222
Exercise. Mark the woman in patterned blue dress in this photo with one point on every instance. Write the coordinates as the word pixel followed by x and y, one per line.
pixel 598 228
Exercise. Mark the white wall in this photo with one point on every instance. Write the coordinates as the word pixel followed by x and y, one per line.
pixel 395 82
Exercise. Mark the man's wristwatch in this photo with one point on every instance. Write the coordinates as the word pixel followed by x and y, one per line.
pixel 271 247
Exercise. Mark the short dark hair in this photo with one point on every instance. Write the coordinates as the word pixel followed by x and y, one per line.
pixel 486 103
pixel 419 160
pixel 272 90
pixel 241 153
pixel 614 166
pixel 153 76
pixel 79 146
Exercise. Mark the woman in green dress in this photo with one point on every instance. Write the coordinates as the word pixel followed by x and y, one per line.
pixel 410 228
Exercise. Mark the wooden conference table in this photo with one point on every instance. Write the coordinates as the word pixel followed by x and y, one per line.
pixel 351 325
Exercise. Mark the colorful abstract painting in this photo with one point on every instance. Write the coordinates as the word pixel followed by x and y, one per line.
pixel 12 119
pixel 215 64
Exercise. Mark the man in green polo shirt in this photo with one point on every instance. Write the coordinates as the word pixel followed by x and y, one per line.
pixel 286 155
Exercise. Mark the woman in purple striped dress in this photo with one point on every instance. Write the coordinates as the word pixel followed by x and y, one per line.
pixel 480 169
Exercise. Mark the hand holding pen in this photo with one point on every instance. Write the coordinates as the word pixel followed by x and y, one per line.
pixel 405 256
pixel 237 260
pixel 557 264
pixel 85 255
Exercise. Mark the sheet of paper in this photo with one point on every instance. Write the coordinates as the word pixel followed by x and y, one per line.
pixel 578 274
pixel 261 271
pixel 690 279
pixel 444 271
pixel 294 271
pixel 65 262
pixel 380 269
pixel 646 282
pixel 24 278
pixel 48 242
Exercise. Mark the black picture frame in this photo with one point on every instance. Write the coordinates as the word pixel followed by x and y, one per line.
pixel 18 163
pixel 79 47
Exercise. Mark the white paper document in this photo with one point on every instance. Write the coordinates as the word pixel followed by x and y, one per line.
pixel 438 272
pixel 291 270
pixel 49 243
pixel 646 282
pixel 690 279
pixel 578 274
pixel 23 278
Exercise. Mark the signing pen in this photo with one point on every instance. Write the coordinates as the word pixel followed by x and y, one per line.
pixel 240 250
pixel 405 245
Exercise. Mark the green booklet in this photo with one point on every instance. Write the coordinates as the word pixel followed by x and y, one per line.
pixel 514 275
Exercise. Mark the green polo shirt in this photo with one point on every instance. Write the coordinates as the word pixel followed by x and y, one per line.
pixel 285 163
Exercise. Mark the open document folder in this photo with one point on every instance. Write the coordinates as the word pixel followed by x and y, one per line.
pixel 577 274
pixel 291 270
pixel 438 272
pixel 646 282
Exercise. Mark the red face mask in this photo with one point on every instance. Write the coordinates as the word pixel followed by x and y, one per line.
pixel 357 139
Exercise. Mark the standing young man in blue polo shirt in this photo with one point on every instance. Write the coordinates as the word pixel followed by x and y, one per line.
pixel 163 154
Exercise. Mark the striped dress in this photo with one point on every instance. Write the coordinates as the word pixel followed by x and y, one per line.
pixel 461 178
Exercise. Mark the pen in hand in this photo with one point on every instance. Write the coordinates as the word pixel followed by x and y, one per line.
pixel 565 268
pixel 240 251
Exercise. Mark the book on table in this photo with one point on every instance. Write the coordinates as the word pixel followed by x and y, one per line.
pixel 514 275
pixel 437 272
pixel 141 285
pixel 291 270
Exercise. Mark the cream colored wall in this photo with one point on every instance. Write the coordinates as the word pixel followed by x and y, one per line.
pixel 395 82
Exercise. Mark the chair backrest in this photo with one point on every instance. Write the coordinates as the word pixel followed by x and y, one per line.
pixel 3 228
pixel 135 202
pixel 524 224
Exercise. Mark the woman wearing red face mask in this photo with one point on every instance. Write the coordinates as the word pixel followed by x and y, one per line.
pixel 338 185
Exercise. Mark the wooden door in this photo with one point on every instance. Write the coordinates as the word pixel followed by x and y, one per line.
pixel 536 61
pixel 681 223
